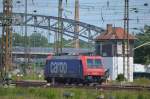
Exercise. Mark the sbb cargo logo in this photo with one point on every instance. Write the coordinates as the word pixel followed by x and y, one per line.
pixel 58 67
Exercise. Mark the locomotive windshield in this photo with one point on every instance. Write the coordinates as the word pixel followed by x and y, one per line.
pixel 94 63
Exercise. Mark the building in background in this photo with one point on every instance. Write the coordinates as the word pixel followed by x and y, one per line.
pixel 139 68
pixel 110 45
pixel 148 69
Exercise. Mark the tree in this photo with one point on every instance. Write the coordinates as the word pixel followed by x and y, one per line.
pixel 38 40
pixel 120 78
pixel 17 40
pixel 142 54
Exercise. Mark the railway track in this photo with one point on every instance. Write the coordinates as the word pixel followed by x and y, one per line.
pixel 44 84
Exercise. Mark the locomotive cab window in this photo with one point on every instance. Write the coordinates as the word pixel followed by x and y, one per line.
pixel 94 63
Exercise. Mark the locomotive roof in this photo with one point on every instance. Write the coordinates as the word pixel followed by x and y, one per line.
pixel 65 57
pixel 77 57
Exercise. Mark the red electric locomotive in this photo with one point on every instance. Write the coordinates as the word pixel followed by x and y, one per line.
pixel 75 69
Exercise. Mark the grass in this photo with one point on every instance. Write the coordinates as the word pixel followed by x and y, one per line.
pixel 141 81
pixel 57 93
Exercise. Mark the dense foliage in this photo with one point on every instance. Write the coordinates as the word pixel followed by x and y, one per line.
pixel 142 54
pixel 34 40
pixel 38 40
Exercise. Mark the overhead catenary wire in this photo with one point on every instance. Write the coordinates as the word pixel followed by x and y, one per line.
pixel 111 9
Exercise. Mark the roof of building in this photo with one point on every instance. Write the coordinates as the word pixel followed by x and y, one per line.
pixel 115 33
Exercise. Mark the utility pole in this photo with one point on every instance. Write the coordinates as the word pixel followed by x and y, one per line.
pixel 59 33
pixel 6 39
pixel 26 40
pixel 25 36
pixel 126 53
pixel 76 28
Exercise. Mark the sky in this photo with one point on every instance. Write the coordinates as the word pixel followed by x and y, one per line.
pixel 95 12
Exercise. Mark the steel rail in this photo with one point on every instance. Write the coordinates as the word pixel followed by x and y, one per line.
pixel 44 84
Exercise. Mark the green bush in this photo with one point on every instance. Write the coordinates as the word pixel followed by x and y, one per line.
pixel 140 96
pixel 120 78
